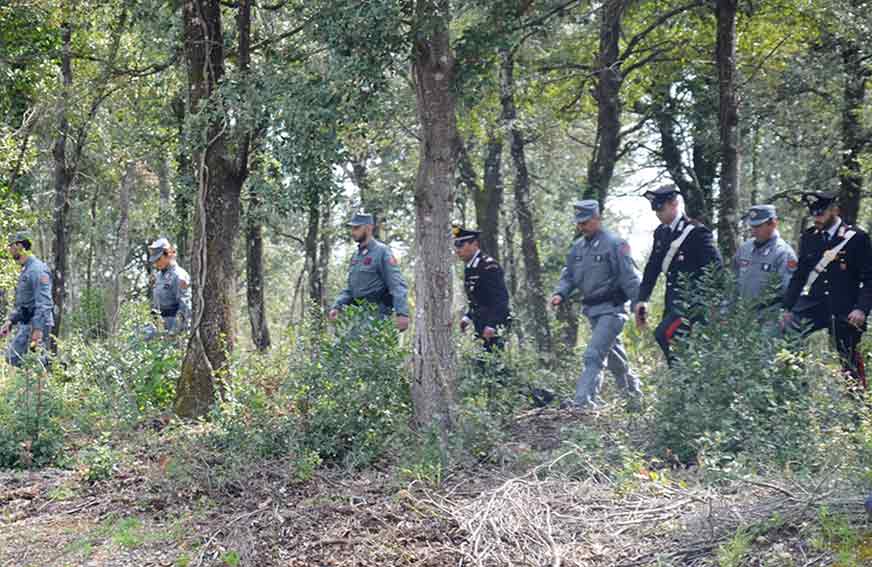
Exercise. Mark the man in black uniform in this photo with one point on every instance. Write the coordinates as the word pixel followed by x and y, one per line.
pixel 832 287
pixel 681 246
pixel 485 286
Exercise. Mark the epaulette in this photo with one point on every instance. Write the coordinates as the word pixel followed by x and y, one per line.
pixel 490 263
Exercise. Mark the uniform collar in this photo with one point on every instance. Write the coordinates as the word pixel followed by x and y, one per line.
pixel 678 223
pixel 765 243
pixel 833 229
pixel 169 267
pixel 27 262
pixel 592 239
pixel 473 262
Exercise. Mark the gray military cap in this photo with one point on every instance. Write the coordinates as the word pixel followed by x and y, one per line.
pixel 156 249
pixel 759 214
pixel 586 210
pixel 20 236
pixel 360 219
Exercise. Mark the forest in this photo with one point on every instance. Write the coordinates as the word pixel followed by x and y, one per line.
pixel 249 133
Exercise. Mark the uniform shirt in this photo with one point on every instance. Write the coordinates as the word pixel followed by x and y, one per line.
pixel 603 271
pixel 762 267
pixel 696 253
pixel 372 274
pixel 33 302
pixel 485 286
pixel 172 292
pixel 845 284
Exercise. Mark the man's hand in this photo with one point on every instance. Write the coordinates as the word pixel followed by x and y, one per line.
pixel 332 314
pixel 402 322
pixel 857 318
pixel 641 311
pixel 4 330
pixel 488 332
pixel 36 337
pixel 556 300
pixel 464 324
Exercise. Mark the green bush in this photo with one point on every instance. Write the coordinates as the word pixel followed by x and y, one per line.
pixel 30 432
pixel 350 390
pixel 738 387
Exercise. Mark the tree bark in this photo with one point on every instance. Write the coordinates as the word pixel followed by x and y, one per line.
pixel 435 365
pixel 122 248
pixel 607 96
pixel 536 300
pixel 61 183
pixel 728 121
pixel 313 283
pixel 216 214
pixel 854 140
pixel 487 197
pixel 185 189
pixel 254 274
pixel 324 247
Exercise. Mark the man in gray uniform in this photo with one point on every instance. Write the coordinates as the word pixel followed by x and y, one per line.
pixel 373 276
pixel 764 264
pixel 601 267
pixel 172 287
pixel 34 310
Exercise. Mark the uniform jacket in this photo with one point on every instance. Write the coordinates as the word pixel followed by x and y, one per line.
pixel 172 292
pixel 33 302
pixel 602 270
pixel 845 284
pixel 696 253
pixel 372 275
pixel 485 286
pixel 760 268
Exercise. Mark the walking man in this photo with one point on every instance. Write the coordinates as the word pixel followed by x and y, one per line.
pixel 172 287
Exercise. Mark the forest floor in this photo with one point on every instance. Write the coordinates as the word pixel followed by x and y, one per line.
pixel 554 499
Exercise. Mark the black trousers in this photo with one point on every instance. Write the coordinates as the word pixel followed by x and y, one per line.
pixel 672 325
pixel 845 336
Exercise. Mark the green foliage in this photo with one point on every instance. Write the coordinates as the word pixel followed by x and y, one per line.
pixel 738 387
pixel 98 461
pixel 30 429
pixel 351 390
pixel 124 378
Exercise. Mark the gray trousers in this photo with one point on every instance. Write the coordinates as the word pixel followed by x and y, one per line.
pixel 19 346
pixel 604 348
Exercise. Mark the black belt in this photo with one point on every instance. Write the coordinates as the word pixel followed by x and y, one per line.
pixel 615 297
pixel 169 312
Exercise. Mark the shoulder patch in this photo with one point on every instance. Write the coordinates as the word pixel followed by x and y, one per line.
pixel 624 249
pixel 183 284
pixel 43 279
pixel 792 264
pixel 392 260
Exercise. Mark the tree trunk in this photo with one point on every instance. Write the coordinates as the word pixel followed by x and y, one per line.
pixel 122 248
pixel 61 183
pixel 536 301
pixel 728 120
pixel 313 283
pixel 607 96
pixel 435 364
pixel 163 178
pixel 854 140
pixel 216 214
pixel 254 276
pixel 490 199
pixel 325 245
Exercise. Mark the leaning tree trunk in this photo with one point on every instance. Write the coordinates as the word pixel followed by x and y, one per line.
pixel 728 119
pixel 122 248
pixel 854 140
pixel 62 183
pixel 216 215
pixel 254 275
pixel 435 365
pixel 607 96
pixel 536 301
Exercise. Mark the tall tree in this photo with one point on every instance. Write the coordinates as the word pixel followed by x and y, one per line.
pixel 536 300
pixel 219 179
pixel 434 68
pixel 725 57
pixel 855 138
